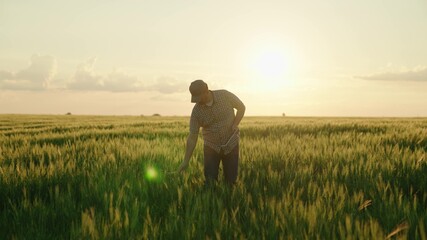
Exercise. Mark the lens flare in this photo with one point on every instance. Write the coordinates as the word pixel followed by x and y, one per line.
pixel 151 174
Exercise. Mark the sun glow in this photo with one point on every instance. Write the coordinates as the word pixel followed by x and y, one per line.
pixel 268 68
pixel 270 64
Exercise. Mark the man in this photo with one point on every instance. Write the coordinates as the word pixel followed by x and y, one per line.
pixel 214 112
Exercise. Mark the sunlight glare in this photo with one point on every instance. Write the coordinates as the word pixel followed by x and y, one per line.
pixel 270 64
pixel 268 68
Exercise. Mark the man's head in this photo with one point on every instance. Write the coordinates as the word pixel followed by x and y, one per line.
pixel 199 92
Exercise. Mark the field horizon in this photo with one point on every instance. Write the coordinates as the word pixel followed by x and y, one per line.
pixel 187 116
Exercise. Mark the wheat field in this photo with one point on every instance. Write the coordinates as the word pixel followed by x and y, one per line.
pixel 113 177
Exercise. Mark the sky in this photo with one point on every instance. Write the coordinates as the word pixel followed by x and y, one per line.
pixel 363 58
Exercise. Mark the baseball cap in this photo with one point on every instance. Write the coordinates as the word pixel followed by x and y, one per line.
pixel 197 88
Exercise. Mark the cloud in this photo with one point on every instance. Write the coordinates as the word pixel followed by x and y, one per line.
pixel 5 75
pixel 87 79
pixel 168 85
pixel 41 75
pixel 121 82
pixel 37 76
pixel 418 74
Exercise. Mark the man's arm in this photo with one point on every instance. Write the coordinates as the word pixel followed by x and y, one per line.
pixel 239 115
pixel 191 144
pixel 237 104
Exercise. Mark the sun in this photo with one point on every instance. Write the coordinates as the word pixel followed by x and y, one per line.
pixel 270 64
pixel 268 68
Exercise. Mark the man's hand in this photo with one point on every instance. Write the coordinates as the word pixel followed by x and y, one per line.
pixel 239 115
pixel 234 128
pixel 191 144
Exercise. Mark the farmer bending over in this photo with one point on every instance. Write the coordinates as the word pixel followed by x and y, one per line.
pixel 214 112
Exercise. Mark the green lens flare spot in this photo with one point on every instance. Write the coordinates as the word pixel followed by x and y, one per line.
pixel 151 173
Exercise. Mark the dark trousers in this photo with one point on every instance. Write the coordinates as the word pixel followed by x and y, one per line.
pixel 229 164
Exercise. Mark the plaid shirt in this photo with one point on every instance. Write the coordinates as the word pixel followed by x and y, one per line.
pixel 217 121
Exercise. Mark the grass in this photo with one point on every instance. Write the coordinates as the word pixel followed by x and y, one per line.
pixel 85 177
